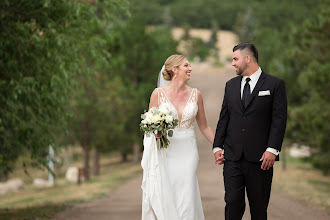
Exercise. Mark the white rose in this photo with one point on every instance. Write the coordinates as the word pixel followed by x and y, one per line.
pixel 156 119
pixel 168 119
pixel 148 114
pixel 144 122
pixel 164 110
pixel 148 118
pixel 152 120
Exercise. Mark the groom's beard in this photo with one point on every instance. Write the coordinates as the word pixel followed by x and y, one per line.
pixel 241 70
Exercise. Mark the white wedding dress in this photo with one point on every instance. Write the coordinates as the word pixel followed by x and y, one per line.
pixel 170 186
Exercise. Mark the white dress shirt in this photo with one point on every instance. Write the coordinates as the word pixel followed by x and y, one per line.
pixel 253 82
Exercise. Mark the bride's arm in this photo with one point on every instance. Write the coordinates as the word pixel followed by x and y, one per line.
pixel 153 99
pixel 201 120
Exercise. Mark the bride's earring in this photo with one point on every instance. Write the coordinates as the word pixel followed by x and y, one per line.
pixel 174 77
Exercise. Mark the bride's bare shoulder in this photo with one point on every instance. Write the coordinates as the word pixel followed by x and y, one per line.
pixel 191 88
pixel 154 94
pixel 199 95
pixel 154 99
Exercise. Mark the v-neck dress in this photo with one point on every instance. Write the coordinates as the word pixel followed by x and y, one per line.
pixel 173 185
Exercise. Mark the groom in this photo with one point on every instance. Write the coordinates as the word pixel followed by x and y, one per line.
pixel 249 134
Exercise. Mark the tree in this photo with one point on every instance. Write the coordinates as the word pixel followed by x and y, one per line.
pixel 296 49
pixel 301 57
pixel 99 117
pixel 186 32
pixel 107 109
pixel 167 19
pixel 96 106
pixel 214 34
pixel 246 25
pixel 142 54
pixel 38 63
pixel 308 114
pixel 41 58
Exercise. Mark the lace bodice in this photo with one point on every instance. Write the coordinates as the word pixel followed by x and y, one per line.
pixel 189 112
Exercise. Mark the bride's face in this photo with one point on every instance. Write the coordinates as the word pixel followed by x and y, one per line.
pixel 184 70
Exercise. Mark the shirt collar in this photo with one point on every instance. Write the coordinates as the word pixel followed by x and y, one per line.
pixel 254 77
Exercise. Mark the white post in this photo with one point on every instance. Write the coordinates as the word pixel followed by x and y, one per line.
pixel 51 164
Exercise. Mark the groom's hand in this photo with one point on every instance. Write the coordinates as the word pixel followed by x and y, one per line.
pixel 268 160
pixel 219 157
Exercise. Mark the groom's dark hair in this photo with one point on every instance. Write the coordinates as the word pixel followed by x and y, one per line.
pixel 250 48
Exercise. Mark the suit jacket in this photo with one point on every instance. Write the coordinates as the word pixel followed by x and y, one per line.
pixel 252 129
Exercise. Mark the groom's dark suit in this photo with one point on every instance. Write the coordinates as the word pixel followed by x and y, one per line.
pixel 245 134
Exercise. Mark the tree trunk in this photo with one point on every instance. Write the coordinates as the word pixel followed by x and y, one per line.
pixel 86 160
pixel 86 151
pixel 136 153
pixel 124 157
pixel 96 162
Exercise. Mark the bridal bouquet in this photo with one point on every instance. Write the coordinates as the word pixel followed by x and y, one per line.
pixel 158 120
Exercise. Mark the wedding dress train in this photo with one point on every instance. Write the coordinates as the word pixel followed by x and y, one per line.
pixel 170 185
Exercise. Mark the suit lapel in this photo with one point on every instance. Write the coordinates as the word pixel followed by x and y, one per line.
pixel 238 91
pixel 260 82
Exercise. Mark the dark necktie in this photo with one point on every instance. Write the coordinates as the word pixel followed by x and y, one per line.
pixel 246 93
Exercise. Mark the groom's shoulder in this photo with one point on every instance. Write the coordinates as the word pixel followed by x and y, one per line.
pixel 272 77
pixel 233 80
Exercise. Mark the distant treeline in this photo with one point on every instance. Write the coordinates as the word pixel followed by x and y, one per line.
pixel 227 13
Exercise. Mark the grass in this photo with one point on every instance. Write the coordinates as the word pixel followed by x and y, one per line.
pixel 36 212
pixel 32 203
pixel 304 183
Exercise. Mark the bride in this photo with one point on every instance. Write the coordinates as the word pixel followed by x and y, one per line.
pixel 170 186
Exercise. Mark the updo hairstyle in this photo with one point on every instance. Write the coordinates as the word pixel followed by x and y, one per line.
pixel 173 61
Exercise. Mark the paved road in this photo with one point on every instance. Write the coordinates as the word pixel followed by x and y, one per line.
pixel 125 202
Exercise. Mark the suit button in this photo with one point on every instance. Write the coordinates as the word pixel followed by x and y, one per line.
pixel 243 116
pixel 243 129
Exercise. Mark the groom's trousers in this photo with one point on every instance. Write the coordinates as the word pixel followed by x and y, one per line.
pixel 245 175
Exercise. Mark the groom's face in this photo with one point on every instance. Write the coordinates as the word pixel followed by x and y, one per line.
pixel 239 62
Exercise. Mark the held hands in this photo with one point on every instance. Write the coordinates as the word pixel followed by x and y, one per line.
pixel 268 160
pixel 219 157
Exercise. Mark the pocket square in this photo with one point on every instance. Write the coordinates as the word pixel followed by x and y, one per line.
pixel 263 93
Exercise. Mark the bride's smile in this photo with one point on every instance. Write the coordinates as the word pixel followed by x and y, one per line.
pixel 185 70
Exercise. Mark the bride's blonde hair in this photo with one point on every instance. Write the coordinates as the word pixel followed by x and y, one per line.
pixel 173 61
